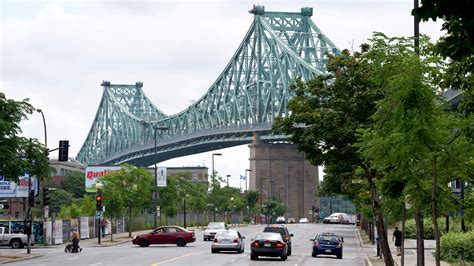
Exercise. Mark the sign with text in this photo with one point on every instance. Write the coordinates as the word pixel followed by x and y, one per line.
pixel 10 189
pixel 161 177
pixel 94 173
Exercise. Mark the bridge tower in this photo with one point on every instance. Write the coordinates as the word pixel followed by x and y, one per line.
pixel 280 171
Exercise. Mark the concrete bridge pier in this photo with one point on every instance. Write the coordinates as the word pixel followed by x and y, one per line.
pixel 279 170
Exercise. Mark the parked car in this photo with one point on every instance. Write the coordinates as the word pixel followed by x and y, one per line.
pixel 328 244
pixel 268 245
pixel 212 228
pixel 228 240
pixel 281 220
pixel 337 218
pixel 283 231
pixel 8 238
pixel 165 235
pixel 291 220
pixel 303 221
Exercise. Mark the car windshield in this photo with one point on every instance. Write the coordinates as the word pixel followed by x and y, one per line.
pixel 279 230
pixel 329 238
pixel 216 226
pixel 226 234
pixel 268 236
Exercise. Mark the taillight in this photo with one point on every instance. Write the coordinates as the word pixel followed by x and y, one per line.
pixel 280 245
pixel 255 244
pixel 236 240
pixel 316 244
pixel 215 240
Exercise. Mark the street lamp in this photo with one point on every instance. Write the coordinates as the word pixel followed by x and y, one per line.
pixel 46 209
pixel 99 187
pixel 246 178
pixel 155 198
pixel 228 176
pixel 261 195
pixel 231 205
pixel 214 154
pixel 184 208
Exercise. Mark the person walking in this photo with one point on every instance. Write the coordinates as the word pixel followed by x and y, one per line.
pixel 397 236
pixel 75 237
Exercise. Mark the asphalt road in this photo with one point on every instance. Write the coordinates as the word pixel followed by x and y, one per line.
pixel 199 253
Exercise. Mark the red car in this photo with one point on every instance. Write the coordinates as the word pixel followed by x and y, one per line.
pixel 165 235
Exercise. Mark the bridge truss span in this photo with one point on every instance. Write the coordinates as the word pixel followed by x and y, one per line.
pixel 251 91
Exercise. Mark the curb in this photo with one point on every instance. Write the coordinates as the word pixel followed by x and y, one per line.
pixel 369 263
pixel 22 258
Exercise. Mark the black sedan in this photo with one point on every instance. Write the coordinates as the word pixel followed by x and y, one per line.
pixel 268 245
pixel 328 244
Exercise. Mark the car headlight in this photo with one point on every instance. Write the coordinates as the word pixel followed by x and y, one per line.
pixel 134 237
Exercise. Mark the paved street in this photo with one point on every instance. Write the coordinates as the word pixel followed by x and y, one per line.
pixel 199 253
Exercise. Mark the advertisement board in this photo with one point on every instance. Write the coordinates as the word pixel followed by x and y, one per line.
pixel 94 173
pixel 161 177
pixel 19 189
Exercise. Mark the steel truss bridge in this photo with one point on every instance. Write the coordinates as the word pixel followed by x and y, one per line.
pixel 242 103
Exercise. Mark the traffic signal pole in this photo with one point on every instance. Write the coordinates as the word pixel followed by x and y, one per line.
pixel 99 212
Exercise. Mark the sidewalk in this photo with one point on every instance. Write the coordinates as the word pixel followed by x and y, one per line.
pixel 410 252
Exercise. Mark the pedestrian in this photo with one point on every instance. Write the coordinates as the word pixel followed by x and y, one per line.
pixel 103 226
pixel 75 237
pixel 397 235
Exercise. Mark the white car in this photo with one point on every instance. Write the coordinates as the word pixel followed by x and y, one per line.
pixel 281 220
pixel 212 228
pixel 229 240
pixel 337 218
pixel 303 221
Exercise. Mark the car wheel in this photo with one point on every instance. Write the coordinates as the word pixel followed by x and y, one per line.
pixel 284 257
pixel 339 256
pixel 143 243
pixel 314 254
pixel 16 243
pixel 213 250
pixel 253 257
pixel 180 242
pixel 289 251
pixel 204 239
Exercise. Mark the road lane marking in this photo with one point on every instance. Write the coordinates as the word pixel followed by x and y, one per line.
pixel 173 259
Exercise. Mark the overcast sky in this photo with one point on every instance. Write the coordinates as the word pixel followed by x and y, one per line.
pixel 56 53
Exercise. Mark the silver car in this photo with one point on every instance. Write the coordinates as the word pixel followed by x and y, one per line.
pixel 229 240
pixel 212 228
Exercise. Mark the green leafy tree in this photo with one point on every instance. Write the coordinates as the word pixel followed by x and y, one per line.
pixel 59 198
pixel 326 114
pixel 457 44
pixel 414 140
pixel 19 154
pixel 74 183
pixel 88 206
pixel 134 186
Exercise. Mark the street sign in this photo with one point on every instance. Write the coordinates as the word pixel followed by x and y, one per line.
pixel 161 177
pixel 98 215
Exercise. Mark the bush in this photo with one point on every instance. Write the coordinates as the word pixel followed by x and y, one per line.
pixel 410 228
pixel 458 246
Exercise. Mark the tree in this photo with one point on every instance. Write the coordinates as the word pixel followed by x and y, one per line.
pixel 19 154
pixel 331 109
pixel 88 206
pixel 457 44
pixel 59 198
pixel 74 184
pixel 130 188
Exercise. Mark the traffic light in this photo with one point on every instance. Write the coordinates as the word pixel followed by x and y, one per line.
pixel 46 197
pixel 98 200
pixel 63 150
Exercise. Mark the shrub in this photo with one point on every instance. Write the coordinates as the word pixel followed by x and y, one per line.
pixel 410 228
pixel 458 246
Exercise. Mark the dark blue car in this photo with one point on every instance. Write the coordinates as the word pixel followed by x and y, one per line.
pixel 328 244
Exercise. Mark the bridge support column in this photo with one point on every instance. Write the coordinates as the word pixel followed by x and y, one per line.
pixel 286 175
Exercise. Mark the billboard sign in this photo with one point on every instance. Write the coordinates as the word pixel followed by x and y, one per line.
pixel 161 177
pixel 94 173
pixel 10 189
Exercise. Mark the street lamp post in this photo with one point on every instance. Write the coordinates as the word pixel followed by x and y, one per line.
pixel 246 178
pixel 155 195
pixel 99 187
pixel 43 186
pixel 184 209
pixel 228 176
pixel 261 195
pixel 214 154
pixel 231 205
